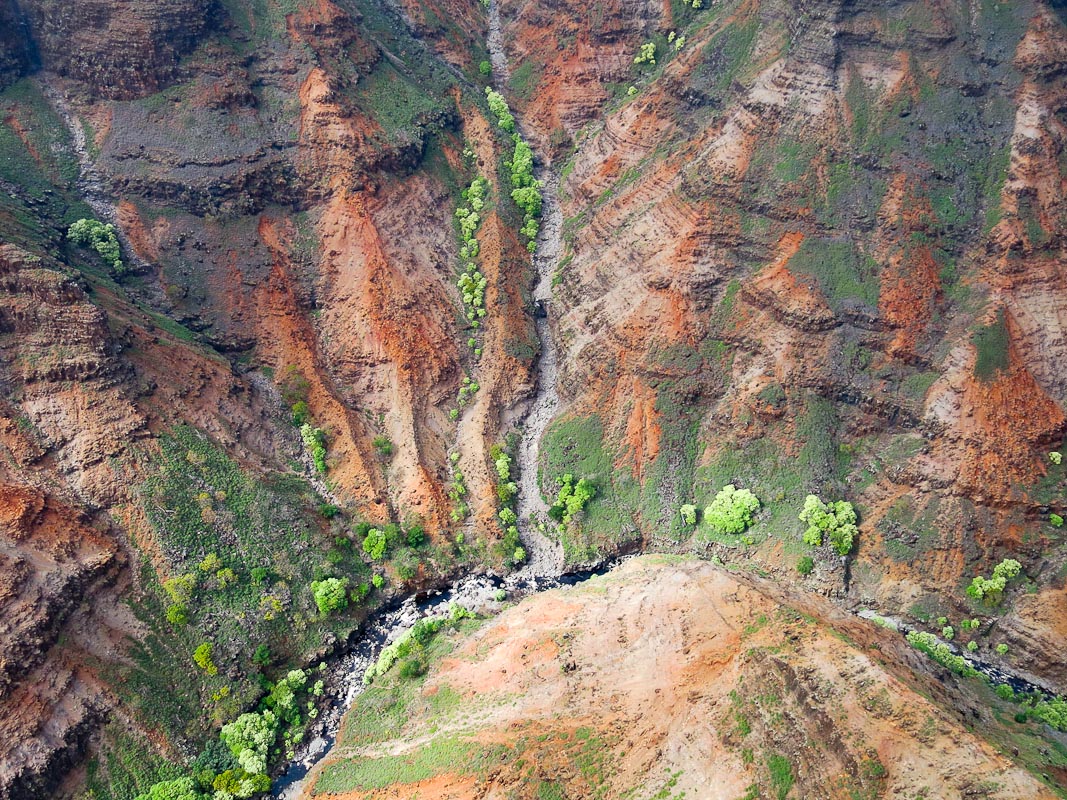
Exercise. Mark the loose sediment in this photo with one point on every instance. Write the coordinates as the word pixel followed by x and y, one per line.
pixel 544 558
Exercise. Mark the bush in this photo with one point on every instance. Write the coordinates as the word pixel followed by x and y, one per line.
pixel 261 657
pixel 202 658
pixel 100 237
pixel 177 615
pixel 485 68
pixel 328 510
pixel 837 520
pixel 1055 520
pixel 805 565
pixel 315 442
pixel 181 587
pixel 416 536
pixel 300 413
pixel 412 668
pixel 688 513
pixel 1002 649
pixel 331 594
pixel 374 544
pixel 647 54
pixel 572 498
pixel 731 511
pixel 259 575
pixel 991 590
pixel 384 446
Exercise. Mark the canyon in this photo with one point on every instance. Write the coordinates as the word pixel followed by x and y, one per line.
pixel 809 248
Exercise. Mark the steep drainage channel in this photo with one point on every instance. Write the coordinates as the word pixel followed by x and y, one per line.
pixel 544 557
pixel 90 184
pixel 384 627
pixel 544 566
pixel 995 674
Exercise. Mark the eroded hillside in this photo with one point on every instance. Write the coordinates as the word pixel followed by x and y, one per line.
pixel 806 248
pixel 665 679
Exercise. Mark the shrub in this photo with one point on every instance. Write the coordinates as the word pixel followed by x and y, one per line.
pixel 485 68
pixel 972 646
pixel 331 594
pixel 991 590
pixel 384 446
pixel 374 544
pixel 1055 520
pixel 1002 649
pixel 647 54
pixel 805 565
pixel 226 577
pixel 416 536
pixel 689 514
pixel 837 520
pixel 518 556
pixel 211 563
pixel 101 238
pixel 300 413
pixel 412 668
pixel 731 511
pixel 1055 457
pixel 500 595
pixel 377 581
pixel 259 575
pixel 948 633
pixel 177 615
pixel 180 587
pixel 572 498
pixel 315 442
pixel 249 737
pixel 202 658
pixel 261 657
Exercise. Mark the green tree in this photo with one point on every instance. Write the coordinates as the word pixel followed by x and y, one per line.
pixel 249 737
pixel 177 789
pixel 732 510
pixel 202 657
pixel 331 594
pixel 689 514
pixel 374 544
pixel 836 520
pixel 101 238
pixel 991 590
pixel 315 442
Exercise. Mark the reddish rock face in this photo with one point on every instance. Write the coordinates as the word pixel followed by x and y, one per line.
pixel 818 247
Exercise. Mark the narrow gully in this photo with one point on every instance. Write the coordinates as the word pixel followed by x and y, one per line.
pixel 544 566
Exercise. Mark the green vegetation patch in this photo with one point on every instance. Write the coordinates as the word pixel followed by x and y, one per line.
pixel 991 345
pixel 842 272
pixel 436 758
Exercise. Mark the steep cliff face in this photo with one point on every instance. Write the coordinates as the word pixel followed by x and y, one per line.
pixel 809 251
pixel 16 48
pixel 808 247
pixel 120 50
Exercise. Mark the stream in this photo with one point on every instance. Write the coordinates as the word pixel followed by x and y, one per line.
pixel 544 564
pixel 995 674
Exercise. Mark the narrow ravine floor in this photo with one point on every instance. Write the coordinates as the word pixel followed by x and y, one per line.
pixel 544 557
